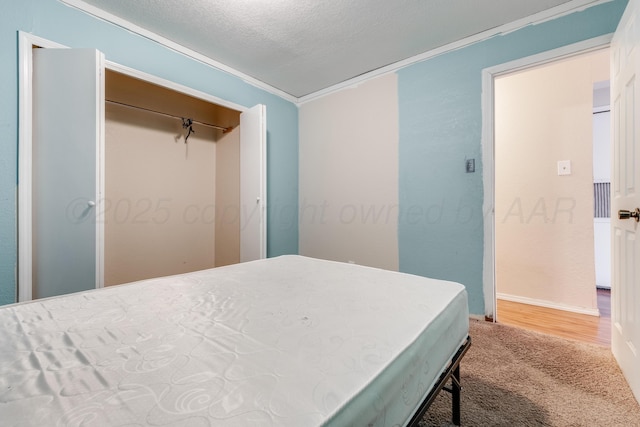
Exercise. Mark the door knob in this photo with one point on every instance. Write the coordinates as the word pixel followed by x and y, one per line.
pixel 91 203
pixel 624 214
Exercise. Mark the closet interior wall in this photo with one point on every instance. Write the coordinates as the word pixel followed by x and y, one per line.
pixel 170 207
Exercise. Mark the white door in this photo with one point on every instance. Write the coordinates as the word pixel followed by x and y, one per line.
pixel 625 307
pixel 253 190
pixel 68 117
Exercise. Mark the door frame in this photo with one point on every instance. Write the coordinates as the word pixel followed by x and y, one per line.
pixel 26 43
pixel 488 149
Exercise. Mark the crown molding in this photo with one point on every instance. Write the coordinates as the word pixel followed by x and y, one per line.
pixel 538 18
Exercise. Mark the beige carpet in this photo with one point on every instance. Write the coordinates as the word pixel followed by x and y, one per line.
pixel 512 377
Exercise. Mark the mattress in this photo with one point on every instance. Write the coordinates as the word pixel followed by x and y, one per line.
pixel 288 341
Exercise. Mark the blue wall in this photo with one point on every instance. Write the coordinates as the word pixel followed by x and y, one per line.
pixel 57 22
pixel 440 231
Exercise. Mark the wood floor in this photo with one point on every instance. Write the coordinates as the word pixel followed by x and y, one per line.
pixel 581 327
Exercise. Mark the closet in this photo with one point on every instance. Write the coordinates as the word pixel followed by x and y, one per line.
pixel 125 176
pixel 172 182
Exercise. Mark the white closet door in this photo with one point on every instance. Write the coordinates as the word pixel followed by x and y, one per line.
pixel 68 117
pixel 253 179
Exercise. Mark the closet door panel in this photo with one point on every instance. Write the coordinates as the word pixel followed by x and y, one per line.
pixel 68 105
pixel 253 190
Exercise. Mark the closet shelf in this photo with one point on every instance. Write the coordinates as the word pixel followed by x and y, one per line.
pixel 224 129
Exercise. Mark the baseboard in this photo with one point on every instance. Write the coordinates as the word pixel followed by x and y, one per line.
pixel 549 304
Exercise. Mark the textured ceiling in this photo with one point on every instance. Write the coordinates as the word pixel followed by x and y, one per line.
pixel 303 46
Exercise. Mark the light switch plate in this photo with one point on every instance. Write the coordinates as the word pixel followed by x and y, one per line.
pixel 564 167
pixel 470 165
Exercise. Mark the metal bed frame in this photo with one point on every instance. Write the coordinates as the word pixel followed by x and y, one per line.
pixel 451 372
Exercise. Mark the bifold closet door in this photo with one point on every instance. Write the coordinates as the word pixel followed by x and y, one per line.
pixel 253 188
pixel 68 117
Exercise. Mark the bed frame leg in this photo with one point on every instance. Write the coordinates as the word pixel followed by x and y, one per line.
pixel 452 372
pixel 455 396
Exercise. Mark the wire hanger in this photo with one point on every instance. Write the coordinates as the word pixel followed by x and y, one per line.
pixel 187 124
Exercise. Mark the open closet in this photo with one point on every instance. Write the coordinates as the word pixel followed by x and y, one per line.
pixel 125 176
pixel 172 182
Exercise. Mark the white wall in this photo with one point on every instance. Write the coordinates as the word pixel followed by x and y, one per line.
pixel 602 147
pixel 601 94
pixel 544 222
pixel 349 175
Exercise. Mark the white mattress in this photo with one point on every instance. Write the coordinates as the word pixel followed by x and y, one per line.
pixel 289 341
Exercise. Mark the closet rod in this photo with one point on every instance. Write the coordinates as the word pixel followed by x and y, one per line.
pixel 222 128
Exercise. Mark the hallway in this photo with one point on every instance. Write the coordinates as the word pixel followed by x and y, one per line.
pixel 581 327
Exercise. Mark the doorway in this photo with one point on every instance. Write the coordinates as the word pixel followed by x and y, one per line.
pixel 602 183
pixel 544 222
